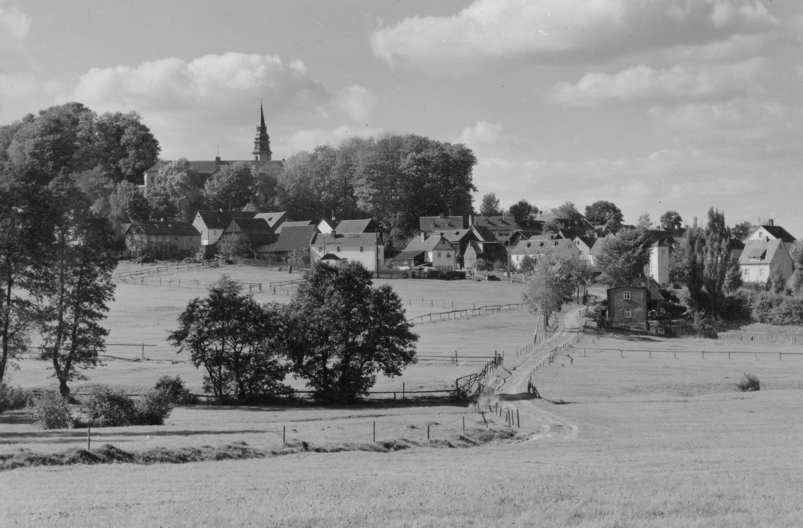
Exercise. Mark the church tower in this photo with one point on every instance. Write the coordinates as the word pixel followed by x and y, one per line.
pixel 262 140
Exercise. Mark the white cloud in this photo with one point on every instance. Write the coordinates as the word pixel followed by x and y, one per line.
pixel 311 138
pixel 489 30
pixel 645 82
pixel 213 85
pixel 13 22
pixel 481 133
pixel 357 102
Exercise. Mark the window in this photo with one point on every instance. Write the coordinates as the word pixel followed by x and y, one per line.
pixel 438 254
pixel 628 314
pixel 337 249
pixel 627 296
pixel 556 243
pixel 448 255
pixel 361 249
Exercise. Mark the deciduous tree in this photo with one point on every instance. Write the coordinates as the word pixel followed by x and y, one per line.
pixel 344 332
pixel 603 212
pixel 490 205
pixel 624 256
pixel 671 221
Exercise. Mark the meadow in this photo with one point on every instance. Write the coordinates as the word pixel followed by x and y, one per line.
pixel 633 431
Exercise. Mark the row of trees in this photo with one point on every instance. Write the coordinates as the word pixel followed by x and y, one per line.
pixel 337 334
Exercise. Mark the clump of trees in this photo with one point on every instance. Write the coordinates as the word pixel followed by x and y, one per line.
pixel 337 334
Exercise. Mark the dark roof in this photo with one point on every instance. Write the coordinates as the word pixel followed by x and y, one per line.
pixel 428 224
pixel 588 241
pixel 349 241
pixel 165 229
pixel 496 223
pixel 272 217
pixel 779 232
pixel 407 255
pixel 486 235
pixel 256 230
pixel 292 238
pixel 362 225
pixel 221 220
pixel 293 223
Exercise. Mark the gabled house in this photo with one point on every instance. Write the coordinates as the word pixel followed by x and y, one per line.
pixel 584 245
pixel 541 247
pixel 762 259
pixel 366 248
pixel 210 223
pixel 243 236
pixel 770 231
pixel 292 246
pixel 627 307
pixel 162 239
pixel 661 245
pixel 504 228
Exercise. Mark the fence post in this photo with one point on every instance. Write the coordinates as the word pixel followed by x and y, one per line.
pixel 518 418
pixel 621 353
pixel 427 432
pixel 142 352
pixel 374 431
pixel 464 425
pixel 284 435
pixel 402 390
pixel 88 436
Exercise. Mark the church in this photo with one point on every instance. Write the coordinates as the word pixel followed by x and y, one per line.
pixel 263 158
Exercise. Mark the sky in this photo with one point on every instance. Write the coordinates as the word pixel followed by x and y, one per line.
pixel 655 105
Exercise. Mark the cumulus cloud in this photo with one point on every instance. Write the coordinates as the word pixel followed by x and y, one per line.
pixel 545 30
pixel 212 84
pixel 481 133
pixel 310 138
pixel 645 82
pixel 13 22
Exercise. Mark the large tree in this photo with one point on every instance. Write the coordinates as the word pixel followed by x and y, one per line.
pixel 490 205
pixel 176 191
pixel 236 341
pixel 343 332
pixel 605 213
pixel 521 212
pixel 74 289
pixel 26 219
pixel 550 284
pixel 671 221
pixel 624 256
pixel 125 147
pixel 566 219
pixel 229 188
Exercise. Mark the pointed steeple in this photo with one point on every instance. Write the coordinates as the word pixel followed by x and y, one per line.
pixel 262 140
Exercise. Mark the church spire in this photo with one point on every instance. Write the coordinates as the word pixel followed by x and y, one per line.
pixel 262 140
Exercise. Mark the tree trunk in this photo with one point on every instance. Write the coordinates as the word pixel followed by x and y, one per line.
pixel 64 389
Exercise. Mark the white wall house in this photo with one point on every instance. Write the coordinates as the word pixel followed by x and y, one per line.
pixel 365 248
pixel 760 259
pixel 538 248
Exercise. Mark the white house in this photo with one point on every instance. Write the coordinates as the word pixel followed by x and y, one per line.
pixel 366 248
pixel 541 247
pixel 760 259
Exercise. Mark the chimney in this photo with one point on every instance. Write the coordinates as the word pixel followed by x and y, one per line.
pixel 471 220
pixel 422 236
pixel 217 159
pixel 771 222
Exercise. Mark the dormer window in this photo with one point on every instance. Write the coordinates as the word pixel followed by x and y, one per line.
pixel 627 296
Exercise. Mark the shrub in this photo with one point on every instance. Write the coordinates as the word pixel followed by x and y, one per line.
pixel 778 309
pixel 107 407
pixel 152 409
pixel 13 398
pixel 750 383
pixel 52 411
pixel 175 391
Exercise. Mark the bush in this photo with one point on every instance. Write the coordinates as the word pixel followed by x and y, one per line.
pixel 108 407
pixel 152 409
pixel 13 398
pixel 52 411
pixel 750 383
pixel 175 391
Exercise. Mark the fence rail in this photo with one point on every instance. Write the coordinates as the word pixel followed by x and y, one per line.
pixel 466 313
pixel 675 352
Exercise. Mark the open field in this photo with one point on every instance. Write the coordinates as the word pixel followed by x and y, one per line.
pixel 658 442
pixel 634 432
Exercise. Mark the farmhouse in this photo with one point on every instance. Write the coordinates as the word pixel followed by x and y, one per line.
pixel 356 227
pixel 162 239
pixel 540 247
pixel 770 231
pixel 762 259
pixel 627 307
pixel 292 247
pixel 210 224
pixel 503 228
pixel 244 235
pixel 430 224
pixel 366 248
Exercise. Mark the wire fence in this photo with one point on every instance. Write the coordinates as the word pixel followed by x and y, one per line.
pixel 467 313
pixel 651 353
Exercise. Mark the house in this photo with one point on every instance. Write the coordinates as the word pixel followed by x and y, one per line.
pixel 165 240
pixel 661 245
pixel 210 224
pixel 627 307
pixel 504 228
pixel 419 250
pixel 243 236
pixel 430 224
pixel 539 247
pixel 444 255
pixel 293 223
pixel 408 259
pixel 291 247
pixel 584 245
pixel 355 227
pixel 325 227
pixel 366 248
pixel 762 259
pixel 770 231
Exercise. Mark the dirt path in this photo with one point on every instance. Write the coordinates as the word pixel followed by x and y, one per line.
pixel 512 392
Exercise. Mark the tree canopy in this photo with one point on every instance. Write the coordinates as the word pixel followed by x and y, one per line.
pixel 624 256
pixel 490 205
pixel 603 212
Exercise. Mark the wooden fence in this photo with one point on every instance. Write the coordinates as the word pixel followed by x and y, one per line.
pixel 467 313
pixel 677 353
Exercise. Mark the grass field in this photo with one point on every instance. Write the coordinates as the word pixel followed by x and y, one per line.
pixel 622 440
